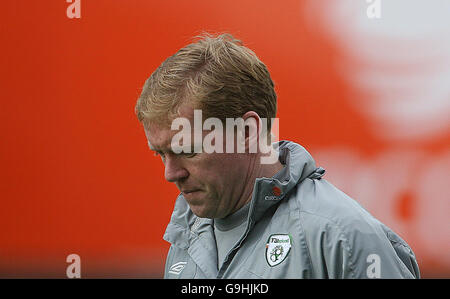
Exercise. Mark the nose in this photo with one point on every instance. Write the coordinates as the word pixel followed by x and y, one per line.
pixel 174 171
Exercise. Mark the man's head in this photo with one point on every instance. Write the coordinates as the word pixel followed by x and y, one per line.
pixel 215 74
pixel 223 79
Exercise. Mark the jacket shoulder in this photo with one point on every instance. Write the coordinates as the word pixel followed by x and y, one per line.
pixel 344 240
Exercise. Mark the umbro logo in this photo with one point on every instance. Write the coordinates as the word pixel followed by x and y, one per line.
pixel 177 268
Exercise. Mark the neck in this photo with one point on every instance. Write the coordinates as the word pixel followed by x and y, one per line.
pixel 255 170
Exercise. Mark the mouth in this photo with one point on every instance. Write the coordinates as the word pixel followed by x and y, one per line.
pixel 189 191
pixel 191 195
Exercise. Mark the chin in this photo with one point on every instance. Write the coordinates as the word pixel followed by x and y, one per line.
pixel 202 212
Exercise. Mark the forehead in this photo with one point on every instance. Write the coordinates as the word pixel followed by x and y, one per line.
pixel 159 134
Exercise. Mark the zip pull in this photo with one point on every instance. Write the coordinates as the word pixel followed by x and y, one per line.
pixel 318 173
pixel 196 224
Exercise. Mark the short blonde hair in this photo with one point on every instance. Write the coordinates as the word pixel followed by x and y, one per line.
pixel 216 74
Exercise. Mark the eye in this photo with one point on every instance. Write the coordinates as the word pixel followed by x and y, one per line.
pixel 189 155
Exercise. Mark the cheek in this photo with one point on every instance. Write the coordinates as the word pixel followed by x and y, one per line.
pixel 218 172
pixel 226 177
pixel 209 178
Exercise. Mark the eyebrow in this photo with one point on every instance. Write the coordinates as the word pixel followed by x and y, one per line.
pixel 169 150
pixel 151 147
pixel 158 150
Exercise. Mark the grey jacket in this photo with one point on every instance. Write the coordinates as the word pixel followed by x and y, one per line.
pixel 299 226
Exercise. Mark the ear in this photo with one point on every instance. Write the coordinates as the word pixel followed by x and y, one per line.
pixel 253 126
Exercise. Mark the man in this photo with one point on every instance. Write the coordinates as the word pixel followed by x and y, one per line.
pixel 241 214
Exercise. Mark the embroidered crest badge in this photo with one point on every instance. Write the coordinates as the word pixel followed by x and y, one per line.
pixel 277 248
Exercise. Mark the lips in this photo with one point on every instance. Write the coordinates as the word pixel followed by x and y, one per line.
pixel 189 191
pixel 191 195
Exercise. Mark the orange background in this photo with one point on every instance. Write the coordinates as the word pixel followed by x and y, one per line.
pixel 76 173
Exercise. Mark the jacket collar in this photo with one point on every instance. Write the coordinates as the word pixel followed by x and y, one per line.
pixel 184 226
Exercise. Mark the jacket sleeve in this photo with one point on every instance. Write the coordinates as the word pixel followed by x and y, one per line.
pixel 361 250
pixel 169 259
pixel 365 252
